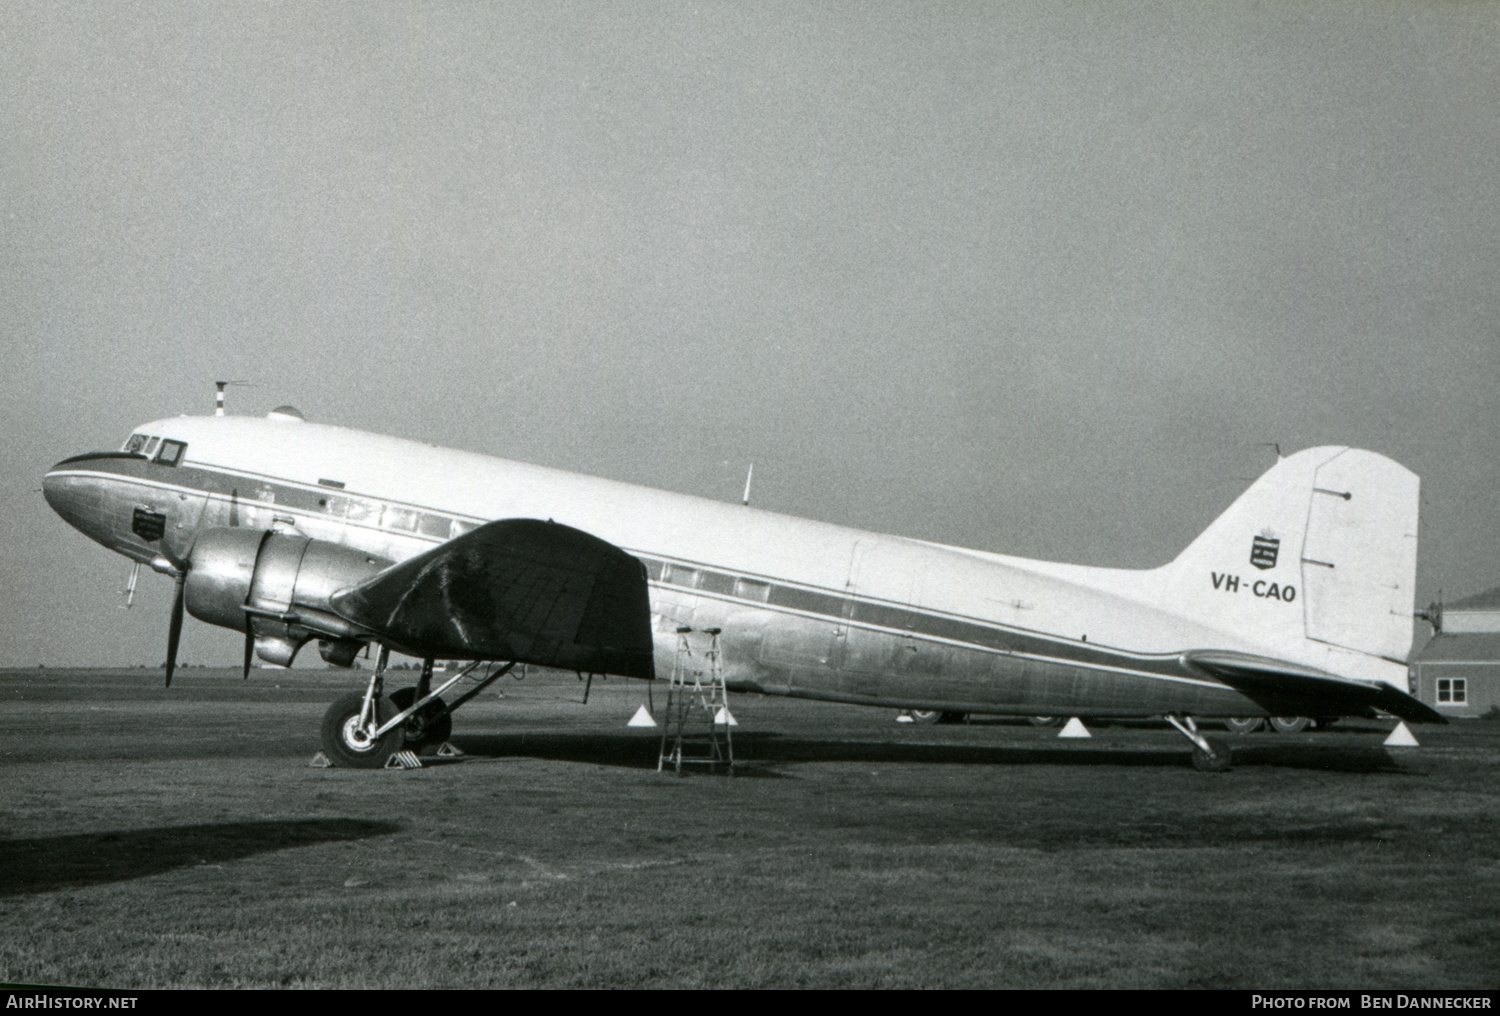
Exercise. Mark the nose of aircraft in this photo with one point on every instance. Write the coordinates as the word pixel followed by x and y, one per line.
pixel 80 500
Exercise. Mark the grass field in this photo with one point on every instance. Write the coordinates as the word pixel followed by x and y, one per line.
pixel 154 838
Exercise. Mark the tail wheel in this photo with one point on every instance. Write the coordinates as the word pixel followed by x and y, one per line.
pixel 1245 724
pixel 1219 761
pixel 346 743
pixel 430 725
pixel 926 715
pixel 1045 721
pixel 1289 724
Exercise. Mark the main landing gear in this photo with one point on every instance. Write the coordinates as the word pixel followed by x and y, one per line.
pixel 363 730
pixel 1208 756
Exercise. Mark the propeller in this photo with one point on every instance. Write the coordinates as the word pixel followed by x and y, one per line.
pixel 174 631
pixel 249 650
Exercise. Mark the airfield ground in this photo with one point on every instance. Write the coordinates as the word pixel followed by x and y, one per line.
pixel 153 838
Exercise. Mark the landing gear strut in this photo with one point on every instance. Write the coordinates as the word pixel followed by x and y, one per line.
pixel 1208 757
pixel 365 730
pixel 429 726
pixel 352 734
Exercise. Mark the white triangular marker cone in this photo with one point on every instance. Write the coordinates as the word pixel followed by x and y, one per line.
pixel 725 717
pixel 1401 738
pixel 1074 728
pixel 642 718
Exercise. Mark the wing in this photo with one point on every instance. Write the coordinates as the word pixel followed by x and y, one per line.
pixel 1287 689
pixel 518 589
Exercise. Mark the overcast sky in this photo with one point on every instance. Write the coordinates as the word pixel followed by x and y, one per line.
pixel 1040 278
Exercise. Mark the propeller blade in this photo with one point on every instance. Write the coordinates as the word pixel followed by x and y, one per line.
pixel 249 651
pixel 174 632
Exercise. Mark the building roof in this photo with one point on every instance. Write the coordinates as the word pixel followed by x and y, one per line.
pixel 1445 648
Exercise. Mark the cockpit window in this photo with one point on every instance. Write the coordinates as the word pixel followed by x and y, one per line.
pixel 171 452
pixel 134 444
pixel 150 446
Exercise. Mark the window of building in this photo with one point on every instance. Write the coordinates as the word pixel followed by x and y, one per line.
pixel 171 452
pixel 1453 691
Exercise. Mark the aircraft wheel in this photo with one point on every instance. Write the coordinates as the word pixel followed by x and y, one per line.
pixel 1219 762
pixel 1324 722
pixel 346 745
pixel 428 728
pixel 1045 721
pixel 1289 724
pixel 1245 724
pixel 926 715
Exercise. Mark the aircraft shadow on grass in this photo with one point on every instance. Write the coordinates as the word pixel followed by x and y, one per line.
pixel 754 751
pixel 47 863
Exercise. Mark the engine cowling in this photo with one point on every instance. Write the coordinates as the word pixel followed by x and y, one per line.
pixel 276 587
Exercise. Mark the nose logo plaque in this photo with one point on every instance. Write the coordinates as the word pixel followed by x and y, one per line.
pixel 148 525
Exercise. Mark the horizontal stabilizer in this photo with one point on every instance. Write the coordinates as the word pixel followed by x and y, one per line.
pixel 1288 689
pixel 518 589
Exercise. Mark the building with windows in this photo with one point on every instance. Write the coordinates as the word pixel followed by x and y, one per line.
pixel 1458 671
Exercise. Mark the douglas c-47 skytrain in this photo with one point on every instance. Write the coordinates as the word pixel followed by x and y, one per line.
pixel 1297 601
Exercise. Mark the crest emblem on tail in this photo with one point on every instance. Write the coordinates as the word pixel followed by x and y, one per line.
pixel 1263 552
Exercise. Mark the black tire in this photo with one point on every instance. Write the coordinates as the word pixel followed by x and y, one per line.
pixel 926 715
pixel 428 728
pixel 1045 721
pixel 1289 724
pixel 1220 761
pixel 342 742
pixel 1244 724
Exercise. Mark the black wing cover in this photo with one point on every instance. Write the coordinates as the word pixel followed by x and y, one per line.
pixel 518 589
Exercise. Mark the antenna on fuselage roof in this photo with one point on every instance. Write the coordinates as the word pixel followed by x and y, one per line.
pixel 749 475
pixel 219 387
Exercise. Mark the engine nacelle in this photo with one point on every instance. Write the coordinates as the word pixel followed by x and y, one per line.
pixel 274 586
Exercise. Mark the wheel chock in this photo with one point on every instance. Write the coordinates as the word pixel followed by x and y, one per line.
pixel 403 760
pixel 642 718
pixel 1074 728
pixel 448 751
pixel 724 718
pixel 320 761
pixel 1401 737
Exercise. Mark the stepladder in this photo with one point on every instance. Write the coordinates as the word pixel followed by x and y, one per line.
pixel 697 721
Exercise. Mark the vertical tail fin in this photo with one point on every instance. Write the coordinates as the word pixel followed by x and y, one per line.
pixel 1320 552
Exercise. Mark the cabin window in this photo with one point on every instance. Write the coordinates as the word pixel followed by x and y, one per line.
pixel 171 452
pixel 403 519
pixel 750 589
pixel 680 575
pixel 1453 691
pixel 717 582
pixel 362 511
pixel 460 527
pixel 150 446
pixel 435 525
pixel 133 446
